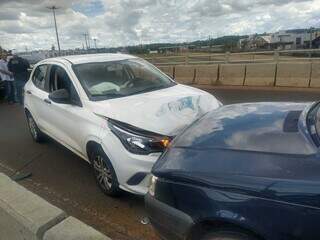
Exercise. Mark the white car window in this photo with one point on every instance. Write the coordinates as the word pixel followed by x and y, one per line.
pixel 59 79
pixel 105 80
pixel 39 76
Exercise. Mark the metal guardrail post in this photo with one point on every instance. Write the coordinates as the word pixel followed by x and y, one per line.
pixel 186 59
pixel 276 56
pixel 227 57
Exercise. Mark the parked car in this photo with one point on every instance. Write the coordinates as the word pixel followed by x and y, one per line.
pixel 116 111
pixel 245 171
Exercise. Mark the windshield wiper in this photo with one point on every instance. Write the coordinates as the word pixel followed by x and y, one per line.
pixel 150 89
pixel 112 95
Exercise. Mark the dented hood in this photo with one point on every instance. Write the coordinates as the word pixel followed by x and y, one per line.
pixel 166 111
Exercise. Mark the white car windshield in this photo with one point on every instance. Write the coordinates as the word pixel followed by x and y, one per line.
pixel 106 80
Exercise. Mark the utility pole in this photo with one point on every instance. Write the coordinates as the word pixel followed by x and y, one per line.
pixel 95 43
pixel 88 34
pixel 54 8
pixel 311 30
pixel 85 39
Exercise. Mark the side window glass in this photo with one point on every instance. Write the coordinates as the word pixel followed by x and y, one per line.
pixel 39 76
pixel 59 79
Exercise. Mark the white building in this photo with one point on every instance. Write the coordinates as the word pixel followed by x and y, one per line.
pixel 293 39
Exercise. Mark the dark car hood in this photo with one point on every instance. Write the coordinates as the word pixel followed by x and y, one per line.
pixel 259 127
pixel 258 149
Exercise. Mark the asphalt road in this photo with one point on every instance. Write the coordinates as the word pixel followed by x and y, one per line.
pixel 67 182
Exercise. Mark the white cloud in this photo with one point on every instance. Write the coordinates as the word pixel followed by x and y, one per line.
pixel 125 22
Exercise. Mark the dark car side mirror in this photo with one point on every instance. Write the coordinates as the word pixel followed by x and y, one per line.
pixel 60 96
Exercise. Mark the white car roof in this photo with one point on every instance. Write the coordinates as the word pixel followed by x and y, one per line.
pixel 90 58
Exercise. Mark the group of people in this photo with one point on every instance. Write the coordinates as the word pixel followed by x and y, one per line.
pixel 14 73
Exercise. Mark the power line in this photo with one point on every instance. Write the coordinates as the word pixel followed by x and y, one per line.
pixel 54 8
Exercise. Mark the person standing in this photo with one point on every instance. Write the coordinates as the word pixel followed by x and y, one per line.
pixel 7 76
pixel 19 67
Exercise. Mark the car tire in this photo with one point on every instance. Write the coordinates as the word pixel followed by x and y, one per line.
pixel 104 173
pixel 36 133
pixel 227 235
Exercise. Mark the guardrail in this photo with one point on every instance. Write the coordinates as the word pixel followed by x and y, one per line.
pixel 281 74
pixel 305 55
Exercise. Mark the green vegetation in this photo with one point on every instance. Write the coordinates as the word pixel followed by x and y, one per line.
pixel 228 43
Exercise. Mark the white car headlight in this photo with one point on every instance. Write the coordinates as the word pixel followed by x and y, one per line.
pixel 138 141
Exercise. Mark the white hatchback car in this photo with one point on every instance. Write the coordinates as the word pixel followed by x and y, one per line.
pixel 116 111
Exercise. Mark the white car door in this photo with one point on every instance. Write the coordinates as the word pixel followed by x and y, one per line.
pixel 37 95
pixel 66 120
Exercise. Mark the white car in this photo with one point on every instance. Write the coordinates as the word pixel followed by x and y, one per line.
pixel 116 111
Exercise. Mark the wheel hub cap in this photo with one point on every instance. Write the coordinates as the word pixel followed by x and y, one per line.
pixel 33 129
pixel 103 173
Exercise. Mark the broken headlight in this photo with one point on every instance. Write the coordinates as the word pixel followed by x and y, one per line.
pixel 152 186
pixel 138 141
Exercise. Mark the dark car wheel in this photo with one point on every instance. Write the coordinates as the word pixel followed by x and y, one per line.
pixel 36 134
pixel 227 235
pixel 104 173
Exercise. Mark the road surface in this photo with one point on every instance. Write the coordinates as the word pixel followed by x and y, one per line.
pixel 67 182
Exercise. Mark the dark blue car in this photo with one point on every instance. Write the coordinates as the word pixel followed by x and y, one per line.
pixel 245 171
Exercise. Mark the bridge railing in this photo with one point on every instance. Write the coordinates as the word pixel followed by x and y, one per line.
pixel 281 74
pixel 301 55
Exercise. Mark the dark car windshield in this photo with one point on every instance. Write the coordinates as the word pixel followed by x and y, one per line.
pixel 106 80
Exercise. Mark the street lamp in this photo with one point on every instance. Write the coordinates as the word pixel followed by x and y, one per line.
pixel 54 8
pixel 311 31
pixel 95 43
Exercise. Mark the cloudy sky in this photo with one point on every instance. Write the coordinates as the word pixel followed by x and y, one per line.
pixel 29 24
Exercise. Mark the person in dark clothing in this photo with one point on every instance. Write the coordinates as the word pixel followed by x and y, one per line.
pixel 7 78
pixel 19 67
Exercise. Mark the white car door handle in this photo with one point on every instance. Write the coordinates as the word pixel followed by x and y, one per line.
pixel 29 92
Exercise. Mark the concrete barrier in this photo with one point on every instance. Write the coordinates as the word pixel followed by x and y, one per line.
pixel 315 75
pixel 206 74
pixel 72 229
pixel 169 70
pixel 260 74
pixel 293 74
pixel 24 215
pixel 231 74
pixel 184 74
pixel 282 74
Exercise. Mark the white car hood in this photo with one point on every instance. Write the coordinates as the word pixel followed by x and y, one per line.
pixel 166 111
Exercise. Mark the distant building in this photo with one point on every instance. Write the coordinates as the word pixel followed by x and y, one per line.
pixel 294 39
pixel 282 40
pixel 255 42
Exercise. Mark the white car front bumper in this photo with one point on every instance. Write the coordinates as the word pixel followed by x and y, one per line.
pixel 132 170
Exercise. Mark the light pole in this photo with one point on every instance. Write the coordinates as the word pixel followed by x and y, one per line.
pixel 311 31
pixel 95 43
pixel 54 8
pixel 87 40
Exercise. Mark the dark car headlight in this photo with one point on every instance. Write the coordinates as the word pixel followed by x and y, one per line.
pixel 152 185
pixel 138 141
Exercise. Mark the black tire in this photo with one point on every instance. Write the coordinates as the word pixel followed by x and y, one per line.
pixel 104 173
pixel 35 132
pixel 227 235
